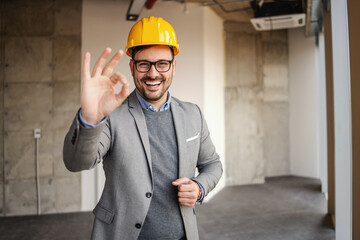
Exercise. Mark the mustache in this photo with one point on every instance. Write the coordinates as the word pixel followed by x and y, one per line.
pixel 147 78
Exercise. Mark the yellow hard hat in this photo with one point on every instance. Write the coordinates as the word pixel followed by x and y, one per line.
pixel 152 31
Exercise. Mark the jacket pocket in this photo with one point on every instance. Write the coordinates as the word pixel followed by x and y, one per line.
pixel 103 214
pixel 193 137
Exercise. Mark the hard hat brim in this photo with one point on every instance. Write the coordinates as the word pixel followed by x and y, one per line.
pixel 176 48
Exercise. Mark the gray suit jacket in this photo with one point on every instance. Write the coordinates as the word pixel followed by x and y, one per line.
pixel 122 143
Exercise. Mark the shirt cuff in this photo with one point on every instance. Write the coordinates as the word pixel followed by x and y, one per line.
pixel 202 193
pixel 88 125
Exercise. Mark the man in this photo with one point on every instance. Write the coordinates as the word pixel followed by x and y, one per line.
pixel 150 143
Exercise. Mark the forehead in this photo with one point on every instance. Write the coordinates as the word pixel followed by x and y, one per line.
pixel 154 53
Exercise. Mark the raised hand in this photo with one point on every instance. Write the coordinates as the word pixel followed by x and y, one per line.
pixel 98 98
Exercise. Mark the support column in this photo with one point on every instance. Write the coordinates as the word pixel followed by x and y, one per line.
pixel 330 115
pixel 342 119
pixel 354 39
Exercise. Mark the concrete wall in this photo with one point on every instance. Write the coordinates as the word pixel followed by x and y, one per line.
pixel 39 82
pixel 199 75
pixel 256 96
pixel 304 105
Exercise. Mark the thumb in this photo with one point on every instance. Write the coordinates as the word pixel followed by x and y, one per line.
pixel 183 180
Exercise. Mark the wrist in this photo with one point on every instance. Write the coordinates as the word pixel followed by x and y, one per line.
pixel 200 193
pixel 86 124
pixel 91 119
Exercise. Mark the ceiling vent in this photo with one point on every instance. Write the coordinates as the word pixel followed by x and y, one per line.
pixel 278 22
pixel 278 14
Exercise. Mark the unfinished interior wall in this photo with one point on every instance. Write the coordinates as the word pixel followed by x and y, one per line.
pixel 257 108
pixel 305 115
pixel 40 84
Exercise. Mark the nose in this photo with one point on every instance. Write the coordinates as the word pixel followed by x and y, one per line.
pixel 153 72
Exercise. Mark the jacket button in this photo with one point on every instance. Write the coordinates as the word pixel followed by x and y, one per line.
pixel 138 225
pixel 148 194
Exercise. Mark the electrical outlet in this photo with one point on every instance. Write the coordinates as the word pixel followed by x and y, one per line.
pixel 37 133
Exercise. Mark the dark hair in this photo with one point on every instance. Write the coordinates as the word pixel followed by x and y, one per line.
pixel 136 49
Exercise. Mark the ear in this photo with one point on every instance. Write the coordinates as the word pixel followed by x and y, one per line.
pixel 131 65
pixel 174 67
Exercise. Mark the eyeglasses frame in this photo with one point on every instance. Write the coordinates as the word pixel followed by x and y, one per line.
pixel 151 64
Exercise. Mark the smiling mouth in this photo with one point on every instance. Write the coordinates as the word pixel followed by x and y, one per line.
pixel 151 84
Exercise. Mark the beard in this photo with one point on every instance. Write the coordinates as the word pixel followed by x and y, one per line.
pixel 147 96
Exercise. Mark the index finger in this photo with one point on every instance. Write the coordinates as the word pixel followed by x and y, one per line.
pixel 183 180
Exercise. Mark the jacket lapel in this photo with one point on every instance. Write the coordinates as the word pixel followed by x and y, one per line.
pixel 137 113
pixel 179 122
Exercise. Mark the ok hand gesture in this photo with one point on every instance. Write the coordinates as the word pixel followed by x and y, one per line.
pixel 98 98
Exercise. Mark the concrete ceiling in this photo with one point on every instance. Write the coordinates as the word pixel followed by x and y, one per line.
pixel 230 10
pixel 241 11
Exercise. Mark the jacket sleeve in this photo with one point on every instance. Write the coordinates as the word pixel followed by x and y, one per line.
pixel 85 147
pixel 208 164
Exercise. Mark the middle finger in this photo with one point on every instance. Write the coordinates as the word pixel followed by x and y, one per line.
pixel 185 188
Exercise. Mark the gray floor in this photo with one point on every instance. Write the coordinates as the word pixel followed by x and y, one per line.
pixel 285 208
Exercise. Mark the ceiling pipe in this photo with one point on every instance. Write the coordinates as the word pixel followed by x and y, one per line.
pixel 220 4
pixel 314 14
pixel 150 4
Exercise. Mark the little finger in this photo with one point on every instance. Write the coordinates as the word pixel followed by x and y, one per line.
pixel 186 202
pixel 109 67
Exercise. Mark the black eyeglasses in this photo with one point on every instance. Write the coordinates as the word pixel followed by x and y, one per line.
pixel 161 66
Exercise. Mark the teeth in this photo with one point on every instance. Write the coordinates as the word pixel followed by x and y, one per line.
pixel 152 83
